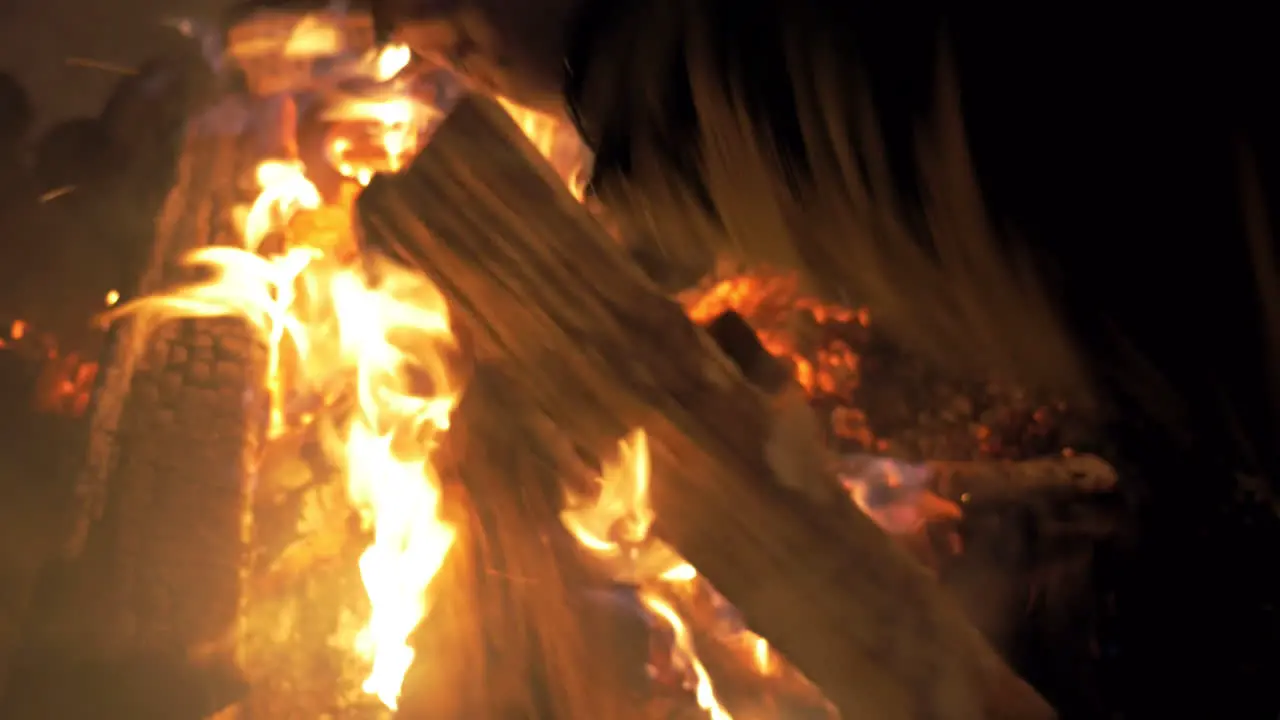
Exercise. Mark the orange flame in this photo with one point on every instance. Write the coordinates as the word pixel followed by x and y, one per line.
pixel 285 189
pixel 355 333
pixel 329 328
pixel 614 527
pixel 342 330
pixel 558 144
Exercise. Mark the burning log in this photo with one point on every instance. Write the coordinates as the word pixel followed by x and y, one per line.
pixel 154 595
pixel 190 218
pixel 520 640
pixel 150 589
pixel 539 289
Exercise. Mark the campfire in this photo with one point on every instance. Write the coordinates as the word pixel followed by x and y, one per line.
pixel 455 456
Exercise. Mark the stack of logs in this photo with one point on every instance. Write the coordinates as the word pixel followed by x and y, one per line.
pixel 573 346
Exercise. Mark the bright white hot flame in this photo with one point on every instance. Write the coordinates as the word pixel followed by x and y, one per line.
pixel 390 479
pixel 380 336
pixel 393 125
pixel 391 60
pixel 686 654
pixel 285 190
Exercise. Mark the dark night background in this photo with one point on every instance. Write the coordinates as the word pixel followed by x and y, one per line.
pixel 1112 140
pixel 1119 146
pixel 1113 143
pixel 36 38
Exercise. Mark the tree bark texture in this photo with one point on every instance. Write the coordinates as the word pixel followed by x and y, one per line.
pixel 150 588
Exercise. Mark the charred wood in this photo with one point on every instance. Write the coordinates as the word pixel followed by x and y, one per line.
pixel 151 578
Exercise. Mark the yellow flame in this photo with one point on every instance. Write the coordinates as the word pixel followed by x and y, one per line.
pixel 391 60
pixel 369 331
pixel 342 329
pixel 541 129
pixel 390 478
pixel 313 36
pixel 113 297
pixel 390 127
pixel 686 654
pixel 563 149
pixel 621 513
pixel 614 527
pixel 762 655
pixel 285 189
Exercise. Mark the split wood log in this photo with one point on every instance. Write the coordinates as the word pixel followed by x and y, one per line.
pixel 536 286
pixel 149 592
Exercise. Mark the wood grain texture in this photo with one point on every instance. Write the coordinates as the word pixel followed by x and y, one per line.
pixel 513 632
pixel 584 339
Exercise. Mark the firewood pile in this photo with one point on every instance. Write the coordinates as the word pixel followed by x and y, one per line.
pixel 396 425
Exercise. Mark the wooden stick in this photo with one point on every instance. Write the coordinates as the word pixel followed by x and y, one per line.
pixel 537 287
pixel 991 481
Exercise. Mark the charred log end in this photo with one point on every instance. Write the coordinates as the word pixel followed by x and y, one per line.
pixel 143 620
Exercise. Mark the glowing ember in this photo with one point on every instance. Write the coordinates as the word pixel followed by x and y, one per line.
pixel 775 307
